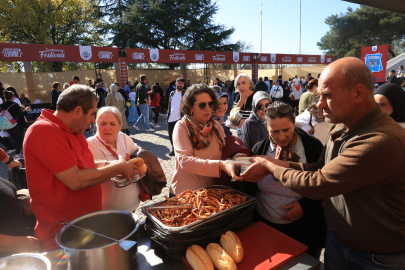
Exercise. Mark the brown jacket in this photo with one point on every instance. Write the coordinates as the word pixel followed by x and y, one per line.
pixel 361 174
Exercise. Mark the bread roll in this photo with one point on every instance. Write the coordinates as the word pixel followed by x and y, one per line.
pixel 137 161
pixel 220 258
pixel 198 258
pixel 244 159
pixel 232 245
pixel 143 168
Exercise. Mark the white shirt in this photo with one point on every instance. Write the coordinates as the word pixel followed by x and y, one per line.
pixel 276 92
pixel 126 198
pixel 132 95
pixel 175 113
pixel 272 195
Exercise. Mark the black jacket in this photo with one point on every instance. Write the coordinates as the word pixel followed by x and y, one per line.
pixel 313 221
pixel 394 79
pixel 169 107
pixel 16 112
pixel 261 86
pixel 55 95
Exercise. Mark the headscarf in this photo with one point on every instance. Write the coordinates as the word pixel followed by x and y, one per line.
pixel 257 97
pixel 199 134
pixel 117 95
pixel 396 95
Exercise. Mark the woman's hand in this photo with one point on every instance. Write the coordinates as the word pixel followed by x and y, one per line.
pixel 246 94
pixel 229 168
pixel 294 213
pixel 128 169
pixel 258 170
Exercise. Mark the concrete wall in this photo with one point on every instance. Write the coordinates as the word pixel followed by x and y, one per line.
pixel 43 81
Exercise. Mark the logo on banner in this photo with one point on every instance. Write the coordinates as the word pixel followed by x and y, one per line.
pixel 85 52
pixel 52 53
pixel 12 52
pixel 322 59
pixel 177 56
pixel 286 59
pixel 236 57
pixel 328 60
pixel 246 58
pixel 374 48
pixel 199 57
pixel 219 57
pixel 373 61
pixel 105 55
pixel 263 58
pixel 154 54
pixel 138 56
pixel 312 59
pixel 273 57
pixel 300 59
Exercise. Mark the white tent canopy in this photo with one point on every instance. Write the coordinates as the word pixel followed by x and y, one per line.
pixel 394 63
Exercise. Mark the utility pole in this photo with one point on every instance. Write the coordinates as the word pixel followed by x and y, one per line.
pixel 261 28
pixel 300 27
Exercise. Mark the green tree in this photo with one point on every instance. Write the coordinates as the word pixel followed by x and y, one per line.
pixel 66 22
pixel 366 26
pixel 171 24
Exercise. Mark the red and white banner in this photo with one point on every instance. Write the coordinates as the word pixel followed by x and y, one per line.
pixel 272 58
pixel 57 53
pixel 184 56
pixel 375 57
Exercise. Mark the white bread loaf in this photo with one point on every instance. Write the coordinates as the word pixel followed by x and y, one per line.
pixel 198 258
pixel 220 258
pixel 244 159
pixel 232 245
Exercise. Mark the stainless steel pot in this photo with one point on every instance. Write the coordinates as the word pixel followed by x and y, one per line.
pixel 25 261
pixel 88 251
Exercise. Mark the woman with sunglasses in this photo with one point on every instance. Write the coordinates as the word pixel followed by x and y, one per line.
pixel 254 130
pixel 296 216
pixel 198 142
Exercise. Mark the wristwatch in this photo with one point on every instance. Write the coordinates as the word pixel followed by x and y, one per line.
pixel 9 161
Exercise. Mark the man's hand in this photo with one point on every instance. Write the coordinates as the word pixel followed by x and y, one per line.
pixel 128 169
pixel 14 164
pixel 294 213
pixel 28 244
pixel 146 100
pixel 229 168
pixel 258 170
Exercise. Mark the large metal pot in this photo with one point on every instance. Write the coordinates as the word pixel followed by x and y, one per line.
pixel 25 261
pixel 88 251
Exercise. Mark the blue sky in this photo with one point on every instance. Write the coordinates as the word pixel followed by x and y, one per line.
pixel 281 20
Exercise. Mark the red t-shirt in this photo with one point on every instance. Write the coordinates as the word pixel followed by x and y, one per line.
pixel 50 147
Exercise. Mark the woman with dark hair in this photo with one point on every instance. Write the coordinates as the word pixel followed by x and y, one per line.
pixel 17 132
pixel 286 93
pixel 391 98
pixel 16 99
pixel 217 82
pixel 283 209
pixel 154 104
pixel 306 98
pixel 198 142
pixel 55 94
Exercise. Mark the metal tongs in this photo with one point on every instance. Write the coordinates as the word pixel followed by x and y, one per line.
pixel 169 207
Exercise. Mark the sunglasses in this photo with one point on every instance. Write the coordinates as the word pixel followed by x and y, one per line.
pixel 262 107
pixel 277 108
pixel 210 104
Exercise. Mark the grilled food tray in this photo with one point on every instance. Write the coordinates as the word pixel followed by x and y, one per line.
pixel 249 201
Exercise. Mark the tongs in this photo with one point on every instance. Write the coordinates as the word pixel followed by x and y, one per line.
pixel 169 207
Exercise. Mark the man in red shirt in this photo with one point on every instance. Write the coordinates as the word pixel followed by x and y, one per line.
pixel 62 177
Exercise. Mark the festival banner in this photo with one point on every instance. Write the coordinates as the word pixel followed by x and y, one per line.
pixel 57 53
pixel 286 59
pixel 375 57
pixel 124 71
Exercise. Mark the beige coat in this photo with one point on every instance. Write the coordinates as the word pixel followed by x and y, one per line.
pixel 111 101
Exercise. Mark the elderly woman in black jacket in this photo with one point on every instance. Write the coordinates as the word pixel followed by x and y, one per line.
pixel 254 129
pixel 278 206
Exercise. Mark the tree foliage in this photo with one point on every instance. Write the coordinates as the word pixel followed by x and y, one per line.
pixel 366 26
pixel 172 24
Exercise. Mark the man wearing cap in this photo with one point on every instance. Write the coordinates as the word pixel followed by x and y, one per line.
pixel 174 113
pixel 62 176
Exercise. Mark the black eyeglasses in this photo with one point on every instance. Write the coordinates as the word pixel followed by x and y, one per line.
pixel 277 108
pixel 202 105
pixel 263 106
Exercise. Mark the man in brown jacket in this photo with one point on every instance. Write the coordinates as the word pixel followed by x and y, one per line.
pixel 361 173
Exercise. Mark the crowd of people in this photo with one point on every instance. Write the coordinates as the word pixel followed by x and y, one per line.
pixel 346 196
